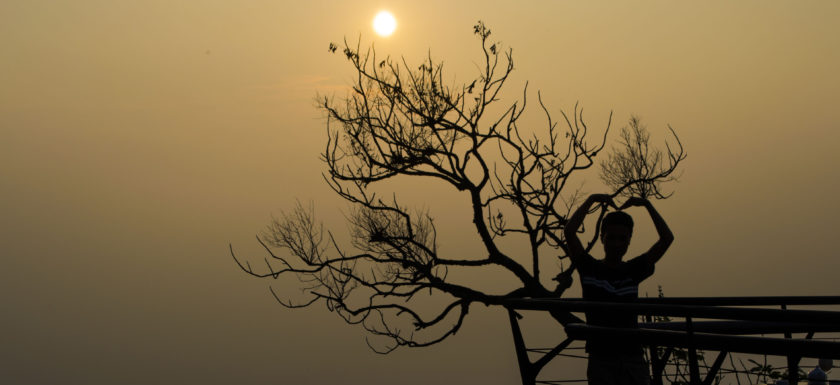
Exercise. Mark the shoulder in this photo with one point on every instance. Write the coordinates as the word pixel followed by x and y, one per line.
pixel 640 267
pixel 586 263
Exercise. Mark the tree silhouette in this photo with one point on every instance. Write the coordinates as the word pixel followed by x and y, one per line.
pixel 402 120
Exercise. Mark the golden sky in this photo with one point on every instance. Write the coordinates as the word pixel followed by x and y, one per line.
pixel 139 138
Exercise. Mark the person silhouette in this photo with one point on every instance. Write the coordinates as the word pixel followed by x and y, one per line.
pixel 615 280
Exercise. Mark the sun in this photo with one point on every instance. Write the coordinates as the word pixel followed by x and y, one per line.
pixel 384 23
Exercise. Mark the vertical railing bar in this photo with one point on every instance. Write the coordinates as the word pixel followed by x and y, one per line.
pixel 527 375
pixel 656 378
pixel 793 361
pixel 694 369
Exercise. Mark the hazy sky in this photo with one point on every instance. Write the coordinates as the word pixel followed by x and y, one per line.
pixel 139 138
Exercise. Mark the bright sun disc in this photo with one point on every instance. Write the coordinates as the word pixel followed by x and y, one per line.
pixel 384 23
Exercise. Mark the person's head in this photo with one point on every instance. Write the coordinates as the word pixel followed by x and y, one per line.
pixel 616 231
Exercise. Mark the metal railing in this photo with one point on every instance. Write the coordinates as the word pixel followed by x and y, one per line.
pixel 731 335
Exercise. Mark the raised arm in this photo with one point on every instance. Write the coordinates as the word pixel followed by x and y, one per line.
pixel 665 236
pixel 576 249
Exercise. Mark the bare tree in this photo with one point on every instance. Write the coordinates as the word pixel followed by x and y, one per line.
pixel 635 169
pixel 404 120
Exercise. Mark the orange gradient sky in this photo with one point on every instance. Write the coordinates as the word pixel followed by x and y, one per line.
pixel 139 138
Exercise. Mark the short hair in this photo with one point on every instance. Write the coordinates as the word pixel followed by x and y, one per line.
pixel 619 218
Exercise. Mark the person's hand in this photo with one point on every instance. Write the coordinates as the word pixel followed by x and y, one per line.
pixel 603 198
pixel 634 201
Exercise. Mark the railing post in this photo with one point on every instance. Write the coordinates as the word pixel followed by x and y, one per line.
pixel 792 361
pixel 793 370
pixel 655 376
pixel 525 370
pixel 693 365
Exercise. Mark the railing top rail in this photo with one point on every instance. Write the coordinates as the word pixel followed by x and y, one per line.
pixel 739 301
pixel 742 327
pixel 817 317
pixel 740 344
